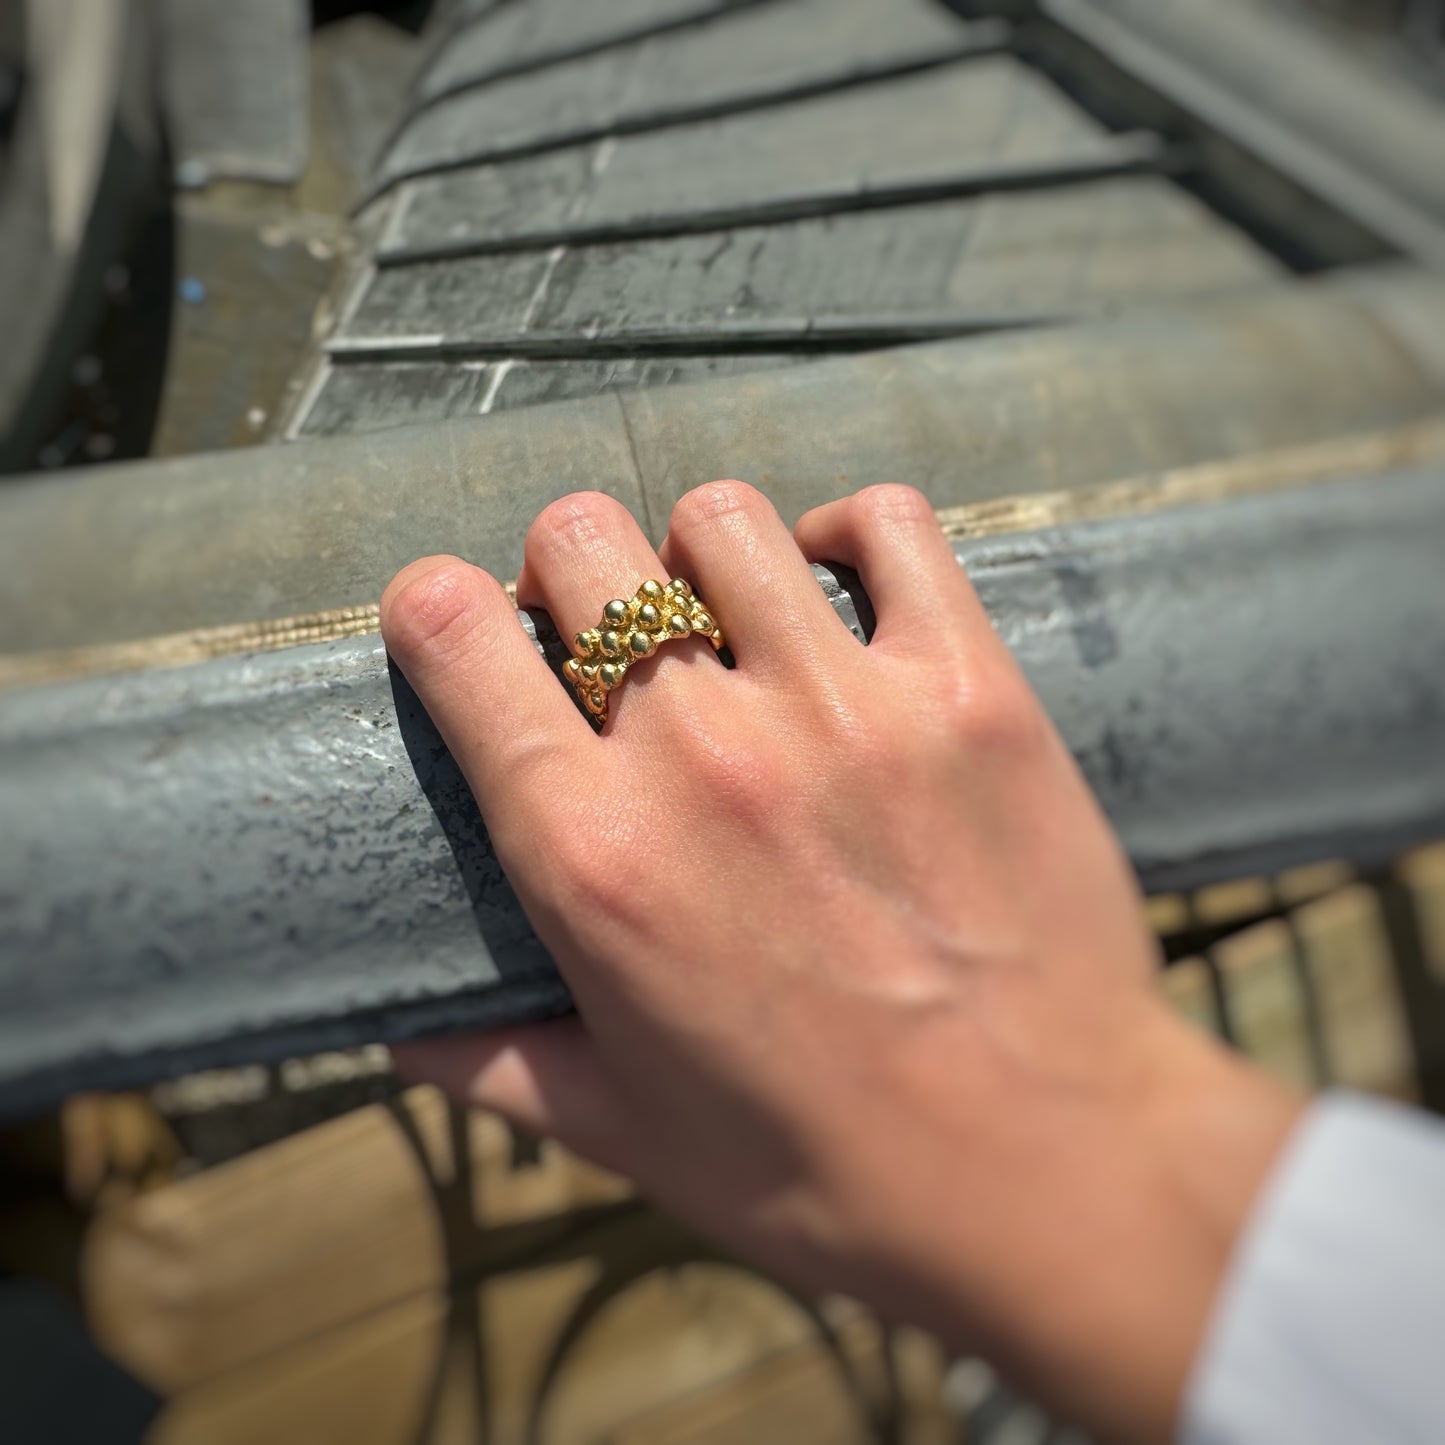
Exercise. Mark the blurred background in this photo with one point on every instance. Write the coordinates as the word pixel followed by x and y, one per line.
pixel 291 293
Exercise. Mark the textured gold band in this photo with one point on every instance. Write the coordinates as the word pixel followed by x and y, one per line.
pixel 630 631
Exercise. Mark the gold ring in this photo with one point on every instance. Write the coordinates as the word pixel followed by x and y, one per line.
pixel 630 631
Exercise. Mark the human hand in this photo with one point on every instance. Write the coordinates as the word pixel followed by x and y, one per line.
pixel 862 981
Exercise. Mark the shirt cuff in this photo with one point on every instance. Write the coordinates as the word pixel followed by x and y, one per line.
pixel 1329 1323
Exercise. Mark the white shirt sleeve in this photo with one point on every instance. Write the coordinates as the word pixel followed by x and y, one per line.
pixel 1330 1325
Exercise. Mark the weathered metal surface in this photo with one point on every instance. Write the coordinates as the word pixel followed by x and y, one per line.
pixel 80 163
pixel 744 58
pixel 150 548
pixel 970 126
pixel 359 397
pixel 1421 327
pixel 901 274
pixel 503 39
pixel 236 88
pixel 271 853
pixel 1043 409
pixel 1283 91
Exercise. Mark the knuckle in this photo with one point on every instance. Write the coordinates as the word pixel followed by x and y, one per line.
pixel 893 504
pixel 580 867
pixel 745 784
pixel 871 746
pixel 996 712
pixel 589 849
pixel 573 522
pixel 716 501
pixel 433 605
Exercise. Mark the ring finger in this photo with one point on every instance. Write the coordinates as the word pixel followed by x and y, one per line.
pixel 583 551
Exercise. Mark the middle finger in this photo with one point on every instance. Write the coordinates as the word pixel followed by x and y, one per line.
pixel 584 551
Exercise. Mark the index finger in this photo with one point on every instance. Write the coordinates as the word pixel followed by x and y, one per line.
pixel 455 634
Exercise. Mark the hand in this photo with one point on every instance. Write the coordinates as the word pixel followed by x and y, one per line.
pixel 862 981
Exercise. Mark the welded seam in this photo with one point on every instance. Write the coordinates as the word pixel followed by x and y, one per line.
pixel 637 472
pixel 500 371
pixel 544 284
pixel 320 373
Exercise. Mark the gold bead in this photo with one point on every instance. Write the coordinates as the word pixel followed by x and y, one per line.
pixel 610 643
pixel 596 701
pixel 648 616
pixel 573 668
pixel 680 587
pixel 610 674
pixel 703 623
pixel 615 611
pixel 589 671
pixel 641 644
pixel 650 591
pixel 680 625
pixel 585 643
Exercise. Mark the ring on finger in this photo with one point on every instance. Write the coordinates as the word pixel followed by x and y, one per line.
pixel 633 630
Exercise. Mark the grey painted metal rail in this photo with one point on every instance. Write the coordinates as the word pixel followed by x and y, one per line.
pixel 275 853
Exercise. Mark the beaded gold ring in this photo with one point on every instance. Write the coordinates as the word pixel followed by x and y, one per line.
pixel 631 631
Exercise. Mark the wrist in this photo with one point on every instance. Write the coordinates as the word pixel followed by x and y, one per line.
pixel 1092 1218
pixel 1202 1145
pixel 1154 1194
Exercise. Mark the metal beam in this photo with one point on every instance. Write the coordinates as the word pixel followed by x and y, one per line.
pixel 274 853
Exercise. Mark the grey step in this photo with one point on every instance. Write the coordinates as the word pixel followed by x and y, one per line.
pixel 969 126
pixel 745 57
pixel 910 271
pixel 367 397
pixel 502 39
